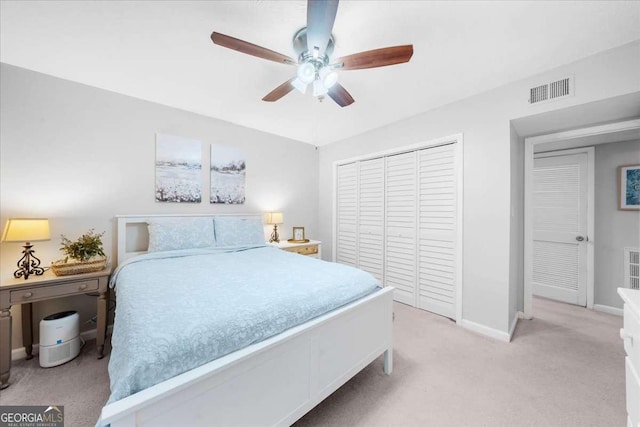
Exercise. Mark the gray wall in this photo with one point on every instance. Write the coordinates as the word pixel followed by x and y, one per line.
pixel 79 155
pixel 614 229
pixel 489 254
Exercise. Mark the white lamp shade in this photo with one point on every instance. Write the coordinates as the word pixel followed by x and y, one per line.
pixel 26 230
pixel 299 85
pixel 274 218
pixel 319 89
pixel 307 72
pixel 328 77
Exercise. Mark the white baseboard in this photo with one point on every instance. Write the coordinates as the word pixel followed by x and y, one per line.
pixel 20 353
pixel 608 309
pixel 522 316
pixel 512 328
pixel 485 330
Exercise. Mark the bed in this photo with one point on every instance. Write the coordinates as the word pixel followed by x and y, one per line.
pixel 236 334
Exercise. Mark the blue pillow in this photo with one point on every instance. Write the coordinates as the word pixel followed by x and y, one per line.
pixel 234 231
pixel 183 233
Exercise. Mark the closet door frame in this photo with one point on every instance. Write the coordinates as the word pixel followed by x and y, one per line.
pixel 456 139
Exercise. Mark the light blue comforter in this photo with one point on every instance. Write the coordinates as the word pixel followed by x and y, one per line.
pixel 178 310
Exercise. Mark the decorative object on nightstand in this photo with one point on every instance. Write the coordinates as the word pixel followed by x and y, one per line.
pixel 274 218
pixel 84 255
pixel 27 230
pixel 298 236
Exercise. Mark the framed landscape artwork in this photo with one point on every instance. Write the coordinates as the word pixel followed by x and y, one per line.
pixel 629 187
pixel 178 169
pixel 228 171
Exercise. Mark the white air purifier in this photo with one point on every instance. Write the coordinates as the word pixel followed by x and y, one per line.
pixel 59 338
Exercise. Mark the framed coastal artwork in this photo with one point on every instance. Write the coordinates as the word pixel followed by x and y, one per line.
pixel 178 169
pixel 228 172
pixel 629 187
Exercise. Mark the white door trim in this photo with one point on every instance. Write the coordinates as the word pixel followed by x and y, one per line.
pixel 590 152
pixel 575 138
pixel 458 139
pixel 609 128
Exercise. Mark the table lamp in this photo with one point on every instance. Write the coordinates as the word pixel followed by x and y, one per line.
pixel 274 218
pixel 27 230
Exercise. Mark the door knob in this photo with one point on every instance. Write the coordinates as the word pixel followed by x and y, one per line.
pixel 579 238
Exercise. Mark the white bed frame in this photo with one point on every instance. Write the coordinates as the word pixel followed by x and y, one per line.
pixel 271 383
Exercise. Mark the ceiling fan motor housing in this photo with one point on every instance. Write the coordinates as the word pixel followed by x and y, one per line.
pixel 300 48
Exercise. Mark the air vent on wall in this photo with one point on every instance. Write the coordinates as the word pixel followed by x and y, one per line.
pixel 632 268
pixel 548 91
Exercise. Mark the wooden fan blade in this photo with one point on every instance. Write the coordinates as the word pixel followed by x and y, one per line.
pixel 280 91
pixel 250 48
pixel 377 57
pixel 339 94
pixel 321 14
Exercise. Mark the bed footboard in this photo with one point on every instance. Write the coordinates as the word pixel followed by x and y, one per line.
pixel 274 382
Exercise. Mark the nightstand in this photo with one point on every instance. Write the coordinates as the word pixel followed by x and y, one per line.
pixel 312 248
pixel 41 288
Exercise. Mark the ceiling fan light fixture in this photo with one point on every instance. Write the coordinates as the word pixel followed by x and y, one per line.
pixel 307 72
pixel 318 88
pixel 328 77
pixel 300 85
pixel 314 44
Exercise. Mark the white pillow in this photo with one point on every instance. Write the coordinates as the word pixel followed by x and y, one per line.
pixel 232 231
pixel 183 233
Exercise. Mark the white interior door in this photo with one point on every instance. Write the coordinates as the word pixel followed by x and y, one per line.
pixel 400 239
pixel 371 217
pixel 560 203
pixel 347 214
pixel 397 217
pixel 437 230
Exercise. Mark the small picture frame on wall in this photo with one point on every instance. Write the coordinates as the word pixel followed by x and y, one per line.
pixel 629 187
pixel 298 235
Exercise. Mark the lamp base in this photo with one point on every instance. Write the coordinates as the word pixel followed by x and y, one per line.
pixel 275 237
pixel 28 264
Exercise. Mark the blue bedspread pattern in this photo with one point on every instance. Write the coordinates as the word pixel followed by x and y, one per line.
pixel 178 310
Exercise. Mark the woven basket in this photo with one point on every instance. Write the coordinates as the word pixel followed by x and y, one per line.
pixel 61 268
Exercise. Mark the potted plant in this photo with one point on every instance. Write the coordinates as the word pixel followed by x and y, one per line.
pixel 84 255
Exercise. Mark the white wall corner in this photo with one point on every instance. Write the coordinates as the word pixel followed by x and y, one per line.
pixel 608 309
pixel 486 330
pixel 512 328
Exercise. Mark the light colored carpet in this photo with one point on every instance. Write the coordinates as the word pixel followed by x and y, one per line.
pixel 563 368
pixel 81 385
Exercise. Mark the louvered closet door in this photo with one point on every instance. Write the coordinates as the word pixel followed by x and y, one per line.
pixel 400 247
pixel 437 226
pixel 347 214
pixel 371 217
pixel 559 228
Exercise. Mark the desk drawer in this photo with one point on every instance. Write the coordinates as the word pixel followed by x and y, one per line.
pixel 45 292
pixel 304 250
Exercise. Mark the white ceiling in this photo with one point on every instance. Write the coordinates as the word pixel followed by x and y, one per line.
pixel 161 51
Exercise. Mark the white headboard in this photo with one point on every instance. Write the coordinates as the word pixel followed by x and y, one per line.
pixel 133 236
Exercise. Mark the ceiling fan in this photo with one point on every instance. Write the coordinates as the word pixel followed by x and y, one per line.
pixel 314 45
